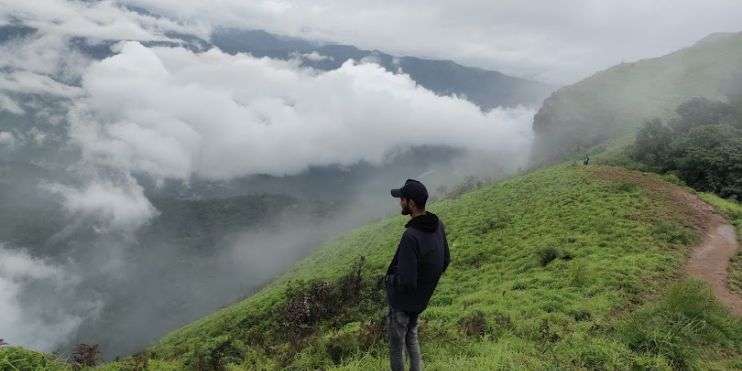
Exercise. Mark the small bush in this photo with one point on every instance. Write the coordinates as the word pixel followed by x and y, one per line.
pixel 214 353
pixel 474 324
pixel 307 304
pixel 547 331
pixel 342 345
pixel 547 255
pixel 85 355
pixel 500 323
pixel 581 315
pixel 136 362
pixel 372 331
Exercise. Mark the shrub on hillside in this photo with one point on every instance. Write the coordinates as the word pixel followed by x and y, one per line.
pixel 215 353
pixel 474 324
pixel 85 355
pixel 547 255
pixel 309 303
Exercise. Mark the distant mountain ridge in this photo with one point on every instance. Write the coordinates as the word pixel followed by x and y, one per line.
pixel 487 89
pixel 613 103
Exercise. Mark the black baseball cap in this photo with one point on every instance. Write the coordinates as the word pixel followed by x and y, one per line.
pixel 413 190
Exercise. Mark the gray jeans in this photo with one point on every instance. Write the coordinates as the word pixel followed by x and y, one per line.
pixel 401 328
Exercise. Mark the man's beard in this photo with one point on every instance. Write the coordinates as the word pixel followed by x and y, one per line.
pixel 406 210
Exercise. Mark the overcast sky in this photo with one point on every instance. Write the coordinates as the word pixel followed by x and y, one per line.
pixel 555 41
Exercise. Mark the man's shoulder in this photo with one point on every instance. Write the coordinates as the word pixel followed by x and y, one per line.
pixel 411 235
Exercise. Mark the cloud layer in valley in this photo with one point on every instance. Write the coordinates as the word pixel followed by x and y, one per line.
pixel 172 113
pixel 35 301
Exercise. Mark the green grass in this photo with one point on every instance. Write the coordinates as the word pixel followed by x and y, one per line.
pixel 611 248
pixel 568 267
pixel 15 358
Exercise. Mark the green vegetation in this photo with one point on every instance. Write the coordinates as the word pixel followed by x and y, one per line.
pixel 551 269
pixel 569 267
pixel 730 208
pixel 702 145
pixel 612 104
pixel 15 358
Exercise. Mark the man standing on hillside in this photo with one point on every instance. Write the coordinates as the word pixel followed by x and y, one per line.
pixel 421 258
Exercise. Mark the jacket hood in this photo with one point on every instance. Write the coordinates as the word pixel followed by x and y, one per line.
pixel 427 222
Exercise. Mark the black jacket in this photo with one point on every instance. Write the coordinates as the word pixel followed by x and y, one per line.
pixel 421 258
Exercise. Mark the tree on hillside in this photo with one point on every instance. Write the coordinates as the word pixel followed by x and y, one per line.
pixel 653 145
pixel 701 111
pixel 703 145
pixel 709 158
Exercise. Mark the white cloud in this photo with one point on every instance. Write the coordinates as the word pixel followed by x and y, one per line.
pixel 316 57
pixel 174 114
pixel 33 83
pixel 7 138
pixel 35 324
pixel 549 40
pixel 98 20
pixel 44 63
pixel 119 206
pixel 35 65
pixel 10 105
pixel 553 40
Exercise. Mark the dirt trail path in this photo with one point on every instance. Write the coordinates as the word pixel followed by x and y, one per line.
pixel 709 261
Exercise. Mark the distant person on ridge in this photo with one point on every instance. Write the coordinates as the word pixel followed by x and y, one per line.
pixel 421 258
pixel 587 160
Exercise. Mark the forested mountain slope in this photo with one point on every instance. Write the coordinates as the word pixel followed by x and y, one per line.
pixel 614 103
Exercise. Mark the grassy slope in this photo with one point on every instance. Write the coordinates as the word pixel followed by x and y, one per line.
pixel 603 303
pixel 15 358
pixel 610 105
pixel 624 246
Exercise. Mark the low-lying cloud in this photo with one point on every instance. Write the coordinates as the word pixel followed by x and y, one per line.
pixel 172 113
pixel 35 301
pixel 119 206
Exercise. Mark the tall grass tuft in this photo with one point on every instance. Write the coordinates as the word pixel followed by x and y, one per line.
pixel 677 327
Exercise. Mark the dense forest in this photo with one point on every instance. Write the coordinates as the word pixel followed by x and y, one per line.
pixel 702 145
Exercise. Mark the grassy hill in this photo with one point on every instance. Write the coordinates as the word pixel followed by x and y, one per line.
pixel 612 104
pixel 568 267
